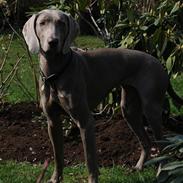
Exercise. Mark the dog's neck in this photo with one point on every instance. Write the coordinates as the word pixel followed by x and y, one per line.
pixel 54 64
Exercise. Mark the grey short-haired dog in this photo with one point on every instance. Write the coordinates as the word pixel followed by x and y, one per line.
pixel 77 81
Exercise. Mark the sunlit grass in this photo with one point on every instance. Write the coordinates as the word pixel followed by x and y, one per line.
pixel 12 172
pixel 89 42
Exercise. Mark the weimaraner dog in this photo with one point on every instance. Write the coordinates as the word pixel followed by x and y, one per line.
pixel 77 81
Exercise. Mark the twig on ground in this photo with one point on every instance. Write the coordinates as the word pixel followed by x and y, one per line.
pixel 6 83
pixel 45 166
pixel 22 86
pixel 101 112
pixel 5 58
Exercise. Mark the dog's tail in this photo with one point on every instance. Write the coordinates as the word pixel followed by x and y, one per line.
pixel 178 101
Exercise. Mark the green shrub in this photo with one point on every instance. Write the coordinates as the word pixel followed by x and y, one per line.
pixel 156 32
pixel 171 170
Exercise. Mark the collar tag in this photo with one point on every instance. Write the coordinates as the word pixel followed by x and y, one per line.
pixel 43 87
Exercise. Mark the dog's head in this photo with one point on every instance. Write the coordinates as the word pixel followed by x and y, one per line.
pixel 52 31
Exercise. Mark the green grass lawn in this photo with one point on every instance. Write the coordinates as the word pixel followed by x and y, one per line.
pixel 88 42
pixel 177 84
pixel 12 172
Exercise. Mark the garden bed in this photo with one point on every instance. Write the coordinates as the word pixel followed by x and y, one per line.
pixel 23 137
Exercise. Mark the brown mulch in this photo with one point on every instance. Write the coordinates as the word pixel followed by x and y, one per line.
pixel 23 137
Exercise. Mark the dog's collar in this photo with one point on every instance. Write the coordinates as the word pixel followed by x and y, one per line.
pixel 49 80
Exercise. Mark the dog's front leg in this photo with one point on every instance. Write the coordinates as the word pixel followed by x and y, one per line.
pixel 55 132
pixel 87 132
pixel 56 137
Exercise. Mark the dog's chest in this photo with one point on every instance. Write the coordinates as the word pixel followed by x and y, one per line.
pixel 63 99
pixel 62 93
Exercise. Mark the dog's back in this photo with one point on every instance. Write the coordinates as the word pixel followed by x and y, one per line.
pixel 107 68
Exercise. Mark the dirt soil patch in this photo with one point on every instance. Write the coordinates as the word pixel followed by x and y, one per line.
pixel 23 137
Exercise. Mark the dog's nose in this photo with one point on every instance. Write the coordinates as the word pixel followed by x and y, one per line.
pixel 53 42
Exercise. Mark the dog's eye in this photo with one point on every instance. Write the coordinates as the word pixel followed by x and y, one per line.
pixel 42 23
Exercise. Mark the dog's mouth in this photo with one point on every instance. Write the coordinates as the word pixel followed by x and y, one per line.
pixel 52 50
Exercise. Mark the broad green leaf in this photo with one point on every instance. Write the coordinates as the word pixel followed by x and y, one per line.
pixel 172 166
pixel 170 147
pixel 157 21
pixel 175 75
pixel 173 146
pixel 102 5
pixel 163 4
pixel 177 171
pixel 164 45
pixel 181 150
pixel 177 138
pixel 162 177
pixel 175 8
pixel 170 62
pixel 178 179
pixel 156 160
pixel 144 28
pixel 121 25
pixel 110 99
pixel 83 4
pixel 127 41
pixel 166 175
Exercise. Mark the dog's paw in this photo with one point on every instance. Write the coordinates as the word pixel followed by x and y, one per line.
pixel 55 179
pixel 50 181
pixel 138 167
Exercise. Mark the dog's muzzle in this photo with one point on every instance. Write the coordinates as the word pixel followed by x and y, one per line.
pixel 53 43
pixel 52 46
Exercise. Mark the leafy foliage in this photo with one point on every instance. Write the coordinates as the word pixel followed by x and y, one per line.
pixel 156 32
pixel 172 157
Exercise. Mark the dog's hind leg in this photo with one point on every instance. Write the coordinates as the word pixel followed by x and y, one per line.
pixel 88 139
pixel 153 114
pixel 132 113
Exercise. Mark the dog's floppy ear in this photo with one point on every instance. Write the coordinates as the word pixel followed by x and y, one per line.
pixel 73 31
pixel 30 35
